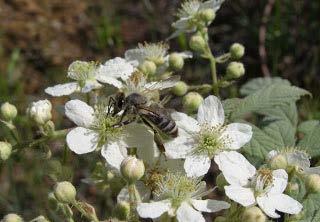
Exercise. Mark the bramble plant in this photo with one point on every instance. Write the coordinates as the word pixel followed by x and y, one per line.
pixel 156 160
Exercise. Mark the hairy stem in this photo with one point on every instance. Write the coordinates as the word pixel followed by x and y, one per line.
pixel 135 198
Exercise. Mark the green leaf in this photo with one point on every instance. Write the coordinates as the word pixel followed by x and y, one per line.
pixel 308 126
pixel 311 141
pixel 311 206
pixel 257 84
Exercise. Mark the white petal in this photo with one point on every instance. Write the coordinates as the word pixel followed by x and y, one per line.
pixel 116 68
pixel 235 167
pixel 272 154
pixel 153 210
pixel 179 147
pixel 182 23
pixel 110 80
pixel 267 206
pixel 79 112
pixel 62 89
pixel 142 190
pixel 197 165
pixel 210 206
pixel 238 134
pixel 186 122
pixel 114 153
pixel 211 112
pixel 81 140
pixel 137 55
pixel 312 170
pixel 298 158
pixel 90 85
pixel 280 180
pixel 241 195
pixel 186 213
pixel 213 4
pixel 186 54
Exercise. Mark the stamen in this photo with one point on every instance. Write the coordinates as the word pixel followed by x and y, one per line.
pixel 189 8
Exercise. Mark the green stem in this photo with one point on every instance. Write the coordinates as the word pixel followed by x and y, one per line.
pixel 134 200
pixel 91 217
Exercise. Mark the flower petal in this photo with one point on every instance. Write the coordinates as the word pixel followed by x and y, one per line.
pixel 116 68
pixel 238 134
pixel 79 112
pixel 280 180
pixel 212 4
pixel 312 170
pixel 272 154
pixel 298 158
pixel 179 147
pixel 186 213
pixel 114 153
pixel 197 165
pixel 135 55
pixel 267 206
pixel 62 89
pixel 210 206
pixel 241 195
pixel 142 189
pixel 186 122
pixel 211 112
pixel 235 167
pixel 153 209
pixel 90 85
pixel 81 140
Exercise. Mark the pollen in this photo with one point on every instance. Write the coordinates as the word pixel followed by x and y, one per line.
pixel 262 181
pixel 189 8
pixel 154 52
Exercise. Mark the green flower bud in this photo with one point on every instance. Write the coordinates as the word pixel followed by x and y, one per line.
pixel 132 169
pixel 197 43
pixel 122 211
pixel 292 188
pixel 279 162
pixel 220 219
pixel 235 70
pixel 192 101
pixel 12 218
pixel 180 88
pixel 236 51
pixel 313 183
pixel 8 111
pixel 176 61
pixel 148 67
pixel 40 111
pixel 5 150
pixel 40 219
pixel 65 192
pixel 221 181
pixel 207 15
pixel 253 214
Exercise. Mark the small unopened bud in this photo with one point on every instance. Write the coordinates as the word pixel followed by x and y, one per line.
pixel 65 192
pixel 236 51
pixel 148 67
pixel 221 181
pixel 235 70
pixel 12 218
pixel 197 43
pixel 176 61
pixel 207 15
pixel 122 211
pixel 8 111
pixel 253 214
pixel 40 219
pixel 40 111
pixel 192 101
pixel 220 219
pixel 279 162
pixel 132 169
pixel 180 88
pixel 5 150
pixel 313 183
pixel 292 188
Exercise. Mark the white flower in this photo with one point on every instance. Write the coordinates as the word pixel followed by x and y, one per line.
pixel 297 159
pixel 249 186
pixel 95 129
pixel 87 75
pixel 40 111
pixel 180 196
pixel 199 140
pixel 189 12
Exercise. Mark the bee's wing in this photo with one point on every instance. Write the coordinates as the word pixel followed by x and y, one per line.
pixel 163 84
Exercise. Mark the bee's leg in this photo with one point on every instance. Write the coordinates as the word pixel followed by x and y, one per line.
pixel 123 123
pixel 157 137
pixel 112 103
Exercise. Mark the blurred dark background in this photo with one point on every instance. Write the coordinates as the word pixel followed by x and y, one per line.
pixel 40 38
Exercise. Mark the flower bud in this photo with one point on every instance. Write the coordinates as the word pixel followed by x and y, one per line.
pixel 12 218
pixel 253 214
pixel 176 61
pixel 207 15
pixel 221 181
pixel 236 51
pixel 122 211
pixel 8 111
pixel 197 43
pixel 220 219
pixel 180 88
pixel 192 101
pixel 40 111
pixel 292 188
pixel 148 67
pixel 65 192
pixel 5 150
pixel 313 183
pixel 132 169
pixel 279 162
pixel 40 219
pixel 235 70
